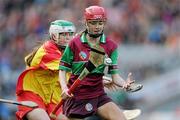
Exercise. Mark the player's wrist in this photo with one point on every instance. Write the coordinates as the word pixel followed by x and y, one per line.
pixel 120 82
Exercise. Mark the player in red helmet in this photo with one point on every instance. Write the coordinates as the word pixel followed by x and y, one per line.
pixel 89 97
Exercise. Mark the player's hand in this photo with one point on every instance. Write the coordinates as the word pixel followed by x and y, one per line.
pixel 65 94
pixel 130 85
pixel 128 82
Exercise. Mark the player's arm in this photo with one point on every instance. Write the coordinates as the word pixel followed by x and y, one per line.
pixel 113 70
pixel 64 68
pixel 63 82
pixel 117 79
pixel 117 82
pixel 113 86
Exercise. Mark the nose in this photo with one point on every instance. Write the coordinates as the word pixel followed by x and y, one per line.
pixel 97 25
pixel 68 36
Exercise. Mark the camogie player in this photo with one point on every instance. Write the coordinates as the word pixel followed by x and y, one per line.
pixel 89 97
pixel 39 82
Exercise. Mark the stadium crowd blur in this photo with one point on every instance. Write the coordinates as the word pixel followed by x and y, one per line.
pixel 25 22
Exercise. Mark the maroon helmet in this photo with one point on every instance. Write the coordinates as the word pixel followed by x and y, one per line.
pixel 94 13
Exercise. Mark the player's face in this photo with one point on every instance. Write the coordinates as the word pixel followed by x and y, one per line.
pixel 63 39
pixel 95 26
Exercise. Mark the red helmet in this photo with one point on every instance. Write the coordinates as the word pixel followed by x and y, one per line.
pixel 95 12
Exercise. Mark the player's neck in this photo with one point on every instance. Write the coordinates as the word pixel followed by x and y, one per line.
pixel 93 41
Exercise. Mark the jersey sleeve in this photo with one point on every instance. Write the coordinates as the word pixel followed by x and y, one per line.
pixel 66 60
pixel 113 69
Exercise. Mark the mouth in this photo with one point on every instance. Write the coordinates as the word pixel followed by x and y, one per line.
pixel 97 31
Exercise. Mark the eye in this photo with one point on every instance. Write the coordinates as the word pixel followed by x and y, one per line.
pixel 62 34
pixel 96 22
pixel 92 22
pixel 71 33
pixel 101 22
pixel 66 34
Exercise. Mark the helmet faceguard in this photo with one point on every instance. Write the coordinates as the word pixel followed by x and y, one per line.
pixel 61 26
pixel 94 13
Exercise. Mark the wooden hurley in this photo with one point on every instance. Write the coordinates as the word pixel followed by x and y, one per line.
pixel 23 103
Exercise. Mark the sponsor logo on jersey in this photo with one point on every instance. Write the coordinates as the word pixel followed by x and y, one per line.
pixel 82 55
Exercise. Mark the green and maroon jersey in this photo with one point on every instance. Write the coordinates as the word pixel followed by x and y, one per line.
pixel 74 58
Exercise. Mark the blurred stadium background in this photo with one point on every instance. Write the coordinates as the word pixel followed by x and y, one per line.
pixel 147 32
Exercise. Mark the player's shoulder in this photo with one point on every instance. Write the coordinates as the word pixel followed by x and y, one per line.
pixel 49 44
pixel 110 42
pixel 75 40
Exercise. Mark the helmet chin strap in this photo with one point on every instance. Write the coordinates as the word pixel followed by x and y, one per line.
pixel 93 35
pixel 62 47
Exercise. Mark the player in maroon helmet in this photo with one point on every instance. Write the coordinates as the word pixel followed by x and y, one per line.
pixel 89 97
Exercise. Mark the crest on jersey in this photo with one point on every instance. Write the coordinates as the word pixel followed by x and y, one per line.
pixel 82 55
pixel 89 107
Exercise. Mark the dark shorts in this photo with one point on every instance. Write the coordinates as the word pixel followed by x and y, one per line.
pixel 76 108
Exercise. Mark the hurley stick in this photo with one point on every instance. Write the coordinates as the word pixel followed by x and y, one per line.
pixel 23 103
pixel 96 58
